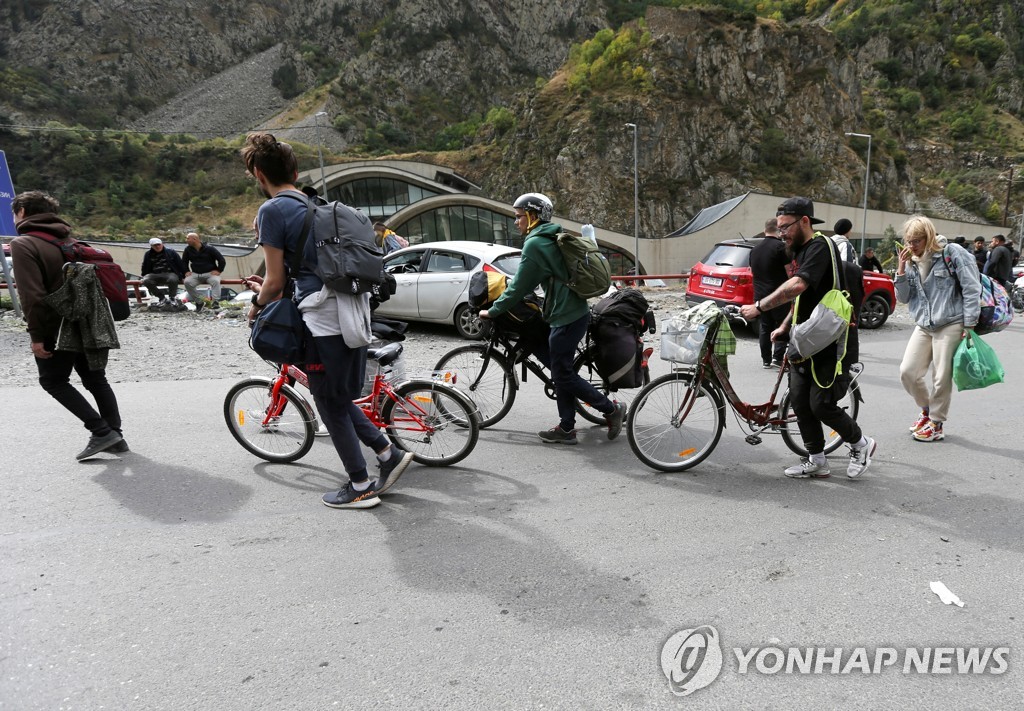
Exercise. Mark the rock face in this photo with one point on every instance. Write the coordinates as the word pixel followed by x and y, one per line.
pixel 439 59
pixel 733 107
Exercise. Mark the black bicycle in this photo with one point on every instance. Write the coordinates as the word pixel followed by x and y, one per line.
pixel 486 373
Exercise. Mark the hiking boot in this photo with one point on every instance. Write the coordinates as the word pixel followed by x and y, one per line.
pixel 200 303
pixel 808 469
pixel 392 469
pixel 920 422
pixel 349 498
pixel 97 444
pixel 931 432
pixel 615 420
pixel 556 435
pixel 860 459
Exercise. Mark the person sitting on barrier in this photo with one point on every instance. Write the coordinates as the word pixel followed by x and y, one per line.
pixel 162 271
pixel 203 265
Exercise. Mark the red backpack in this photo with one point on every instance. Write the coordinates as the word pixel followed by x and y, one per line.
pixel 111 276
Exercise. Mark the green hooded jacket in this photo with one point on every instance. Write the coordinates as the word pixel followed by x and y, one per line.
pixel 542 265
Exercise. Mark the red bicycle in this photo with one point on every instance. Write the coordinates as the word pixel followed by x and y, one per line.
pixel 434 421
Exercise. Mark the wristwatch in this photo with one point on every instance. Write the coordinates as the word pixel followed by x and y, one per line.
pixel 757 305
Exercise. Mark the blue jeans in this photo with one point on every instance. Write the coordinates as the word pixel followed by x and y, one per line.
pixel 335 378
pixel 558 354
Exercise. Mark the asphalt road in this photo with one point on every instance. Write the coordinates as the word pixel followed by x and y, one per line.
pixel 189 575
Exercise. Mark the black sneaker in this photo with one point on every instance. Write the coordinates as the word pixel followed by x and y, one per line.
pixel 615 420
pixel 392 469
pixel 97 444
pixel 556 435
pixel 118 447
pixel 349 498
pixel 200 303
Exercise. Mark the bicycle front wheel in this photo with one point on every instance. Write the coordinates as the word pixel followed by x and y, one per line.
pixel 493 394
pixel 585 368
pixel 275 429
pixel 850 404
pixel 437 423
pixel 673 426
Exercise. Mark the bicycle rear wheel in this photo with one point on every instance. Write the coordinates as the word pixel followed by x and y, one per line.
pixel 673 426
pixel 437 423
pixel 584 368
pixel 791 433
pixel 285 437
pixel 495 392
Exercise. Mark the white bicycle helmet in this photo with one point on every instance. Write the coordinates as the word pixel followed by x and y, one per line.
pixel 536 203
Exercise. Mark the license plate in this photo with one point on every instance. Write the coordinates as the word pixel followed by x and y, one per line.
pixel 711 281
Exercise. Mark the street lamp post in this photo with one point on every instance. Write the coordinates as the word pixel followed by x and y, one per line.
pixel 867 183
pixel 320 153
pixel 636 206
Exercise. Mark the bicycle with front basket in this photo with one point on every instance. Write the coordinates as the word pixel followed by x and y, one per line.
pixel 434 421
pixel 677 420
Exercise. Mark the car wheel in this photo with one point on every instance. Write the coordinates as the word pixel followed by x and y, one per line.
pixel 874 312
pixel 468 324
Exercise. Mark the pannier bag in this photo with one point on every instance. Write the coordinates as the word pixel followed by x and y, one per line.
pixel 524 318
pixel 616 323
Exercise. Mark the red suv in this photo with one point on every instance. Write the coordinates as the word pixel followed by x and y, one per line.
pixel 723 276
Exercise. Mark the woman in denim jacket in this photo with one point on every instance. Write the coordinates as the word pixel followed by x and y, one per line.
pixel 945 303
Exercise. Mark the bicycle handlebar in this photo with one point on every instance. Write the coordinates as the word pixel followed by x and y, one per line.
pixel 733 311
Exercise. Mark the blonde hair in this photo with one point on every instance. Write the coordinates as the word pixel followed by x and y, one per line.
pixel 918 227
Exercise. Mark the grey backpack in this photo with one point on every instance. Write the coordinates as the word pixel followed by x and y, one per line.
pixel 348 259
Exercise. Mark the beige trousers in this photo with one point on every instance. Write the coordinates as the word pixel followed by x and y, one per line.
pixel 935 349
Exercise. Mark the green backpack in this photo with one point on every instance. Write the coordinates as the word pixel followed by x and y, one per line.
pixel 589 272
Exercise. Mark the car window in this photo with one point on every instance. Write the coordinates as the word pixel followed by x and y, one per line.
pixel 447 261
pixel 728 255
pixel 508 263
pixel 404 263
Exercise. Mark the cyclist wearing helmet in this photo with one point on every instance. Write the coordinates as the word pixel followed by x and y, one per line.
pixel 541 264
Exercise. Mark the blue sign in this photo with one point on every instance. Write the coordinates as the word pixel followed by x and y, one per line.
pixel 6 198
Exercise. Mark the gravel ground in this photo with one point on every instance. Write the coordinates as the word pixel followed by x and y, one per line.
pixel 191 346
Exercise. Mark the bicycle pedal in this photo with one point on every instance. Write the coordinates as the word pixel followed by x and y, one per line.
pixel 752 439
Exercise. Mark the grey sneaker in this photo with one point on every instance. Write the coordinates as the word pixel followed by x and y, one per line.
pixel 860 459
pixel 392 469
pixel 349 498
pixel 615 420
pixel 808 469
pixel 556 435
pixel 98 443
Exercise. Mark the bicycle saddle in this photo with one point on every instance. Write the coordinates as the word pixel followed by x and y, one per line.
pixel 385 355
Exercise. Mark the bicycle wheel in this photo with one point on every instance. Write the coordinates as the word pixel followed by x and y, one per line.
pixel 791 433
pixel 671 426
pixel 285 437
pixel 584 368
pixel 437 423
pixel 494 394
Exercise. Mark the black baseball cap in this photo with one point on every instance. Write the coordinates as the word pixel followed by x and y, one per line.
pixel 799 207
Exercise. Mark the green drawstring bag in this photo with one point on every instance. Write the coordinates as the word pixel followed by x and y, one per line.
pixel 975 364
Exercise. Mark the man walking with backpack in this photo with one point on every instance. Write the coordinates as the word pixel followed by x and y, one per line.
pixel 814 402
pixel 541 264
pixel 40 269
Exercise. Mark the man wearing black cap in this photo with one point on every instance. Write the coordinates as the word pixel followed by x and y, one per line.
pixel 812 403
pixel 842 239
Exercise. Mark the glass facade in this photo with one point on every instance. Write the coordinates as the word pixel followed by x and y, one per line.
pixel 460 222
pixel 378 198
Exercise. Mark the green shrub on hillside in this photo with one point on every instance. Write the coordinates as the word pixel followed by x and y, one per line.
pixel 610 60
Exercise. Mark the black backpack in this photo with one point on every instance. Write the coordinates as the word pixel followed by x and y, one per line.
pixel 616 323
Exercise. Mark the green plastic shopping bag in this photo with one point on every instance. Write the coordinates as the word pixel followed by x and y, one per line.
pixel 975 364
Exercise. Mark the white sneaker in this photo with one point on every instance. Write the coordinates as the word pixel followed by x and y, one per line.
pixel 808 469
pixel 861 458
